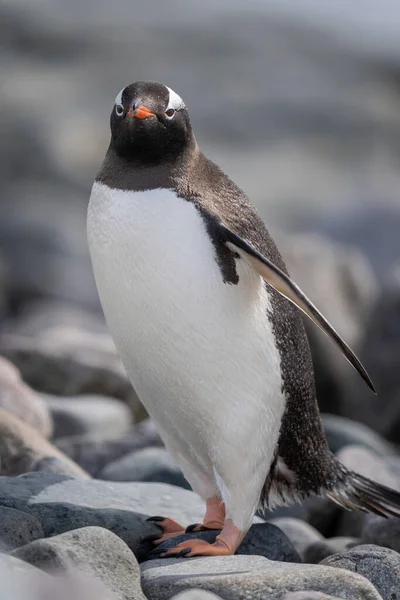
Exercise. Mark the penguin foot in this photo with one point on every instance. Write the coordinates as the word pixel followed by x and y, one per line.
pixel 196 527
pixel 169 529
pixel 213 519
pixel 225 544
pixel 194 548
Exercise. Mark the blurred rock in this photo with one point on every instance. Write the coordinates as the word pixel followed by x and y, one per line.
pixel 340 282
pixel 263 539
pixel 62 504
pixel 17 528
pixel 93 550
pixel 88 414
pixel 22 449
pixel 317 551
pixel 308 596
pixel 94 452
pixel 17 577
pixel 381 357
pixel 148 464
pixel 70 362
pixel 379 565
pixel 381 532
pixel 16 397
pixel 341 432
pixel 195 595
pixel 236 577
pixel 300 533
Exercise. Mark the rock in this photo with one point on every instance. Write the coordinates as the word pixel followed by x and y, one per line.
pixel 19 579
pixel 22 449
pixel 381 532
pixel 308 596
pixel 148 464
pixel 88 414
pixel 381 357
pixel 62 504
pixel 18 398
pixel 237 577
pixel 342 285
pixel 195 595
pixel 69 362
pixel 300 533
pixel 263 539
pixel 341 432
pixel 17 529
pixel 94 452
pixel 317 551
pixel 381 566
pixel 92 550
pixel 365 462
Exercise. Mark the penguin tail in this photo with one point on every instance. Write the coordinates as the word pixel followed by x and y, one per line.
pixel 353 491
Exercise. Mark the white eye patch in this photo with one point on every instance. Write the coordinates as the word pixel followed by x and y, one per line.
pixel 118 99
pixel 175 101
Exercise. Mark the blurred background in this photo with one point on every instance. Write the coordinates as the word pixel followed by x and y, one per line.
pixel 299 102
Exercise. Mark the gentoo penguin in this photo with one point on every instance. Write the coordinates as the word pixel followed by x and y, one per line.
pixel 207 323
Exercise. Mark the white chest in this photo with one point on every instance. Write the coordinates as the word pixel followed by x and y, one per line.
pixel 199 351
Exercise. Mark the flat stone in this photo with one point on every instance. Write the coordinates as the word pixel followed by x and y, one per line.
pixel 88 414
pixel 195 595
pixel 92 550
pixel 238 577
pixel 263 539
pixel 93 451
pixel 317 551
pixel 309 596
pixel 148 464
pixel 381 566
pixel 17 528
pixel 23 402
pixel 300 533
pixel 22 449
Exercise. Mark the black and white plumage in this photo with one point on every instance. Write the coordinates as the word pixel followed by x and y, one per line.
pixel 192 287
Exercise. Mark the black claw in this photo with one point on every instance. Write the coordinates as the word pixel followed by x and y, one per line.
pixel 191 528
pixel 183 553
pixel 150 538
pixel 155 519
pixel 157 552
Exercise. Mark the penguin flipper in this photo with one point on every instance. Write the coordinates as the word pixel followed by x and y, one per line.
pixel 282 283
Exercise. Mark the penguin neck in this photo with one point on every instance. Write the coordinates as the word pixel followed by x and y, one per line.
pixel 120 172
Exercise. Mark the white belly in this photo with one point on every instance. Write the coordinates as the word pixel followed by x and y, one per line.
pixel 200 353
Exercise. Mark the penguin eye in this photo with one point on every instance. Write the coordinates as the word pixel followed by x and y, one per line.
pixel 119 109
pixel 170 113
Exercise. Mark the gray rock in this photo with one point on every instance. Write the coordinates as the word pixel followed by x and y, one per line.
pixel 382 532
pixel 148 464
pixel 253 577
pixel 380 565
pixel 62 504
pixel 341 432
pixel 195 595
pixel 94 452
pixel 17 529
pixel 317 551
pixel 69 362
pixel 55 464
pixel 19 579
pixel 92 550
pixel 263 539
pixel 88 414
pixel 300 533
pixel 308 596
pixel 22 449
pixel 19 399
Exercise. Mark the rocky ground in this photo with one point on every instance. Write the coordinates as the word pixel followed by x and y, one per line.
pixel 317 148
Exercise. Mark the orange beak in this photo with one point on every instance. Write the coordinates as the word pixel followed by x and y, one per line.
pixel 140 113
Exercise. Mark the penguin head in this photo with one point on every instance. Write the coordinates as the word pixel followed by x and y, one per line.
pixel 150 123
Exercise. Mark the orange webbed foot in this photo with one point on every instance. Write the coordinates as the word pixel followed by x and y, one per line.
pixel 169 529
pixel 195 547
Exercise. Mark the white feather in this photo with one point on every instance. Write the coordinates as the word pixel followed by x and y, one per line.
pixel 118 99
pixel 175 101
pixel 200 353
